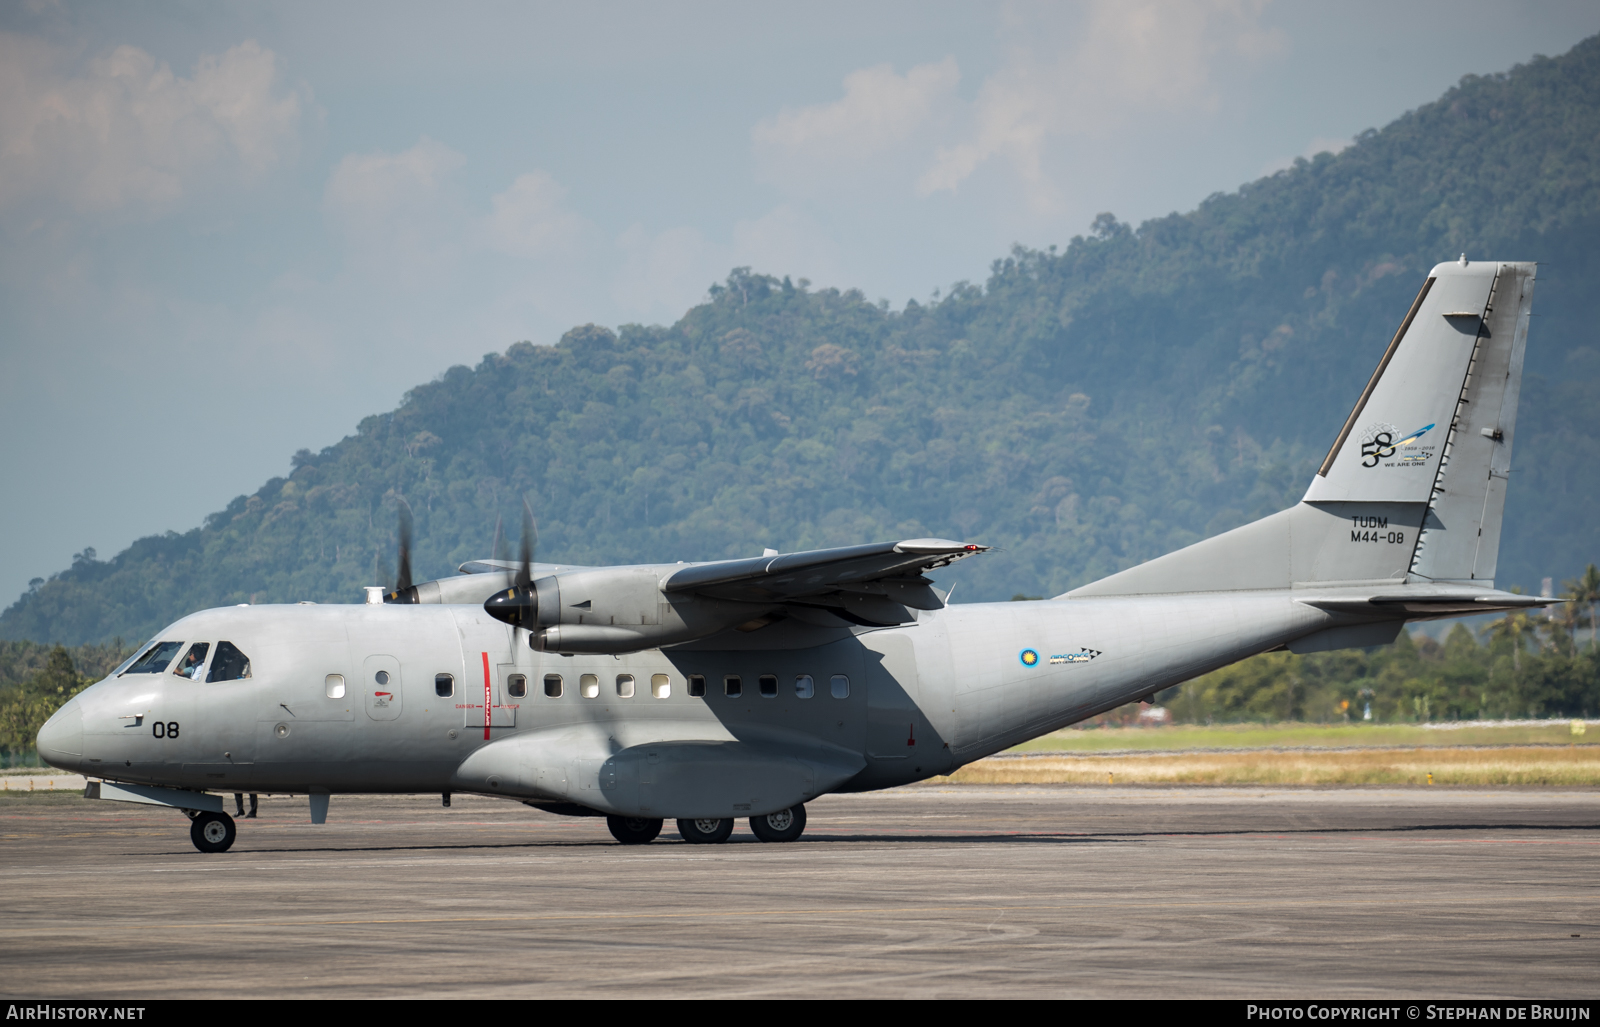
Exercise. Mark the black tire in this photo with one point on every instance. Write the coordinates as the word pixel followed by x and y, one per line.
pixel 705 831
pixel 213 832
pixel 633 830
pixel 782 826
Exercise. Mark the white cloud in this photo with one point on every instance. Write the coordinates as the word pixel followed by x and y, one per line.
pixel 1073 82
pixel 127 131
pixel 530 219
pixel 662 275
pixel 878 108
pixel 396 214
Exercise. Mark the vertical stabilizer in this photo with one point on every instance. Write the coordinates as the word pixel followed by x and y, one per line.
pixel 1390 447
pixel 1414 487
pixel 1460 540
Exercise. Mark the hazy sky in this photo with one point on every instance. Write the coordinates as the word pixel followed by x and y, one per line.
pixel 229 231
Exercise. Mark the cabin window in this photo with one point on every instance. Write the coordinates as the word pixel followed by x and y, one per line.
pixel 333 686
pixel 625 686
pixel 839 685
pixel 769 686
pixel 697 685
pixel 552 686
pixel 589 686
pixel 517 686
pixel 804 688
pixel 193 662
pixel 229 664
pixel 660 686
pixel 156 658
pixel 444 685
pixel 732 687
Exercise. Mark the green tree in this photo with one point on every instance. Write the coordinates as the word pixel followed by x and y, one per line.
pixel 1586 590
pixel 25 708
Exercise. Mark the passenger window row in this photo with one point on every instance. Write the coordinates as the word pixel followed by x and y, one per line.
pixel 661 686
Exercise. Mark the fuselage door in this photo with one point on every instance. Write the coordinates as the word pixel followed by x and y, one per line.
pixel 514 691
pixel 383 687
pixel 896 726
pixel 487 685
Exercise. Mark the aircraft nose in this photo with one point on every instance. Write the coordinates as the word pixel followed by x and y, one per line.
pixel 60 741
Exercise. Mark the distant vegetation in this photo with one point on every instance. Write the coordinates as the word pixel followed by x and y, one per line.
pixel 36 680
pixel 1084 409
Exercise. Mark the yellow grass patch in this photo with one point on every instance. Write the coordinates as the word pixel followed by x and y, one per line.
pixel 1532 765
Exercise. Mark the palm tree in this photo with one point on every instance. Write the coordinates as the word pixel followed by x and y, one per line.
pixel 1563 621
pixel 1513 627
pixel 1586 590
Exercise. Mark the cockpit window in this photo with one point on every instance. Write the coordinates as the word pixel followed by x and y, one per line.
pixel 230 664
pixel 193 662
pixel 155 659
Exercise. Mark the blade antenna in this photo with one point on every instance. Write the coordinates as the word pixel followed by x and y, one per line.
pixel 404 581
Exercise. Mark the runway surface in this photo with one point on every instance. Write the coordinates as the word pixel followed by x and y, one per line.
pixel 963 891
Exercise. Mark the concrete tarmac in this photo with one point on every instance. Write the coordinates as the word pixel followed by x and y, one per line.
pixel 922 892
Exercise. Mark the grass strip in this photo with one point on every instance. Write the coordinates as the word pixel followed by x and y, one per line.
pixel 1257 736
pixel 1577 765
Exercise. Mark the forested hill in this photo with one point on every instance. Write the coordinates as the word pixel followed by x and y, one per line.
pixel 1084 409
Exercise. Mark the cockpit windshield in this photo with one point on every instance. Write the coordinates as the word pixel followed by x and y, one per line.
pixel 155 658
pixel 193 662
pixel 230 664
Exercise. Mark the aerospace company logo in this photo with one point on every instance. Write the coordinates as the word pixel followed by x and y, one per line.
pixel 1081 656
pixel 1379 442
pixel 1029 657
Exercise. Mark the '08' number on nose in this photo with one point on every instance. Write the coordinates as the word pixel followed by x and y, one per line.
pixel 167 730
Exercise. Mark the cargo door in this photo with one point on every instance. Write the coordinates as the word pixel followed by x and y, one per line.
pixel 896 726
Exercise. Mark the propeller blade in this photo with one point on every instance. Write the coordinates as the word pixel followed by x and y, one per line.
pixel 499 540
pixel 518 605
pixel 404 581
pixel 403 592
pixel 530 533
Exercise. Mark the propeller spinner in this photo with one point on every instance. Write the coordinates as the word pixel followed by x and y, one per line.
pixel 518 605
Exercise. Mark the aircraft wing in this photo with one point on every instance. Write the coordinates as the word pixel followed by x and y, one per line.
pixel 827 577
pixel 539 570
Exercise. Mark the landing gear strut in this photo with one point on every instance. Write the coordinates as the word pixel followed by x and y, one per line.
pixel 212 832
pixel 782 826
pixel 633 830
pixel 705 831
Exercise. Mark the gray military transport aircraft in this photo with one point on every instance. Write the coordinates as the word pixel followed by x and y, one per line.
pixel 707 692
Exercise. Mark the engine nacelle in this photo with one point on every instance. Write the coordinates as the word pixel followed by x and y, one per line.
pixel 615 610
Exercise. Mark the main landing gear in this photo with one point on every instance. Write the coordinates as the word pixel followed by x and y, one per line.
pixel 212 832
pixel 783 826
pixel 633 830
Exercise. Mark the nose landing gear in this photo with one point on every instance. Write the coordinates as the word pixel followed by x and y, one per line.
pixel 212 832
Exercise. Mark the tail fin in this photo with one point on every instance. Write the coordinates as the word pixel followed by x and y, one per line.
pixel 1414 487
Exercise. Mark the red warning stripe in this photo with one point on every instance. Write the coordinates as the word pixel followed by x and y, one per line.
pixel 487 696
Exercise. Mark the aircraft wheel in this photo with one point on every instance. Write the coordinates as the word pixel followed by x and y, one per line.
pixel 213 832
pixel 633 830
pixel 705 831
pixel 782 826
